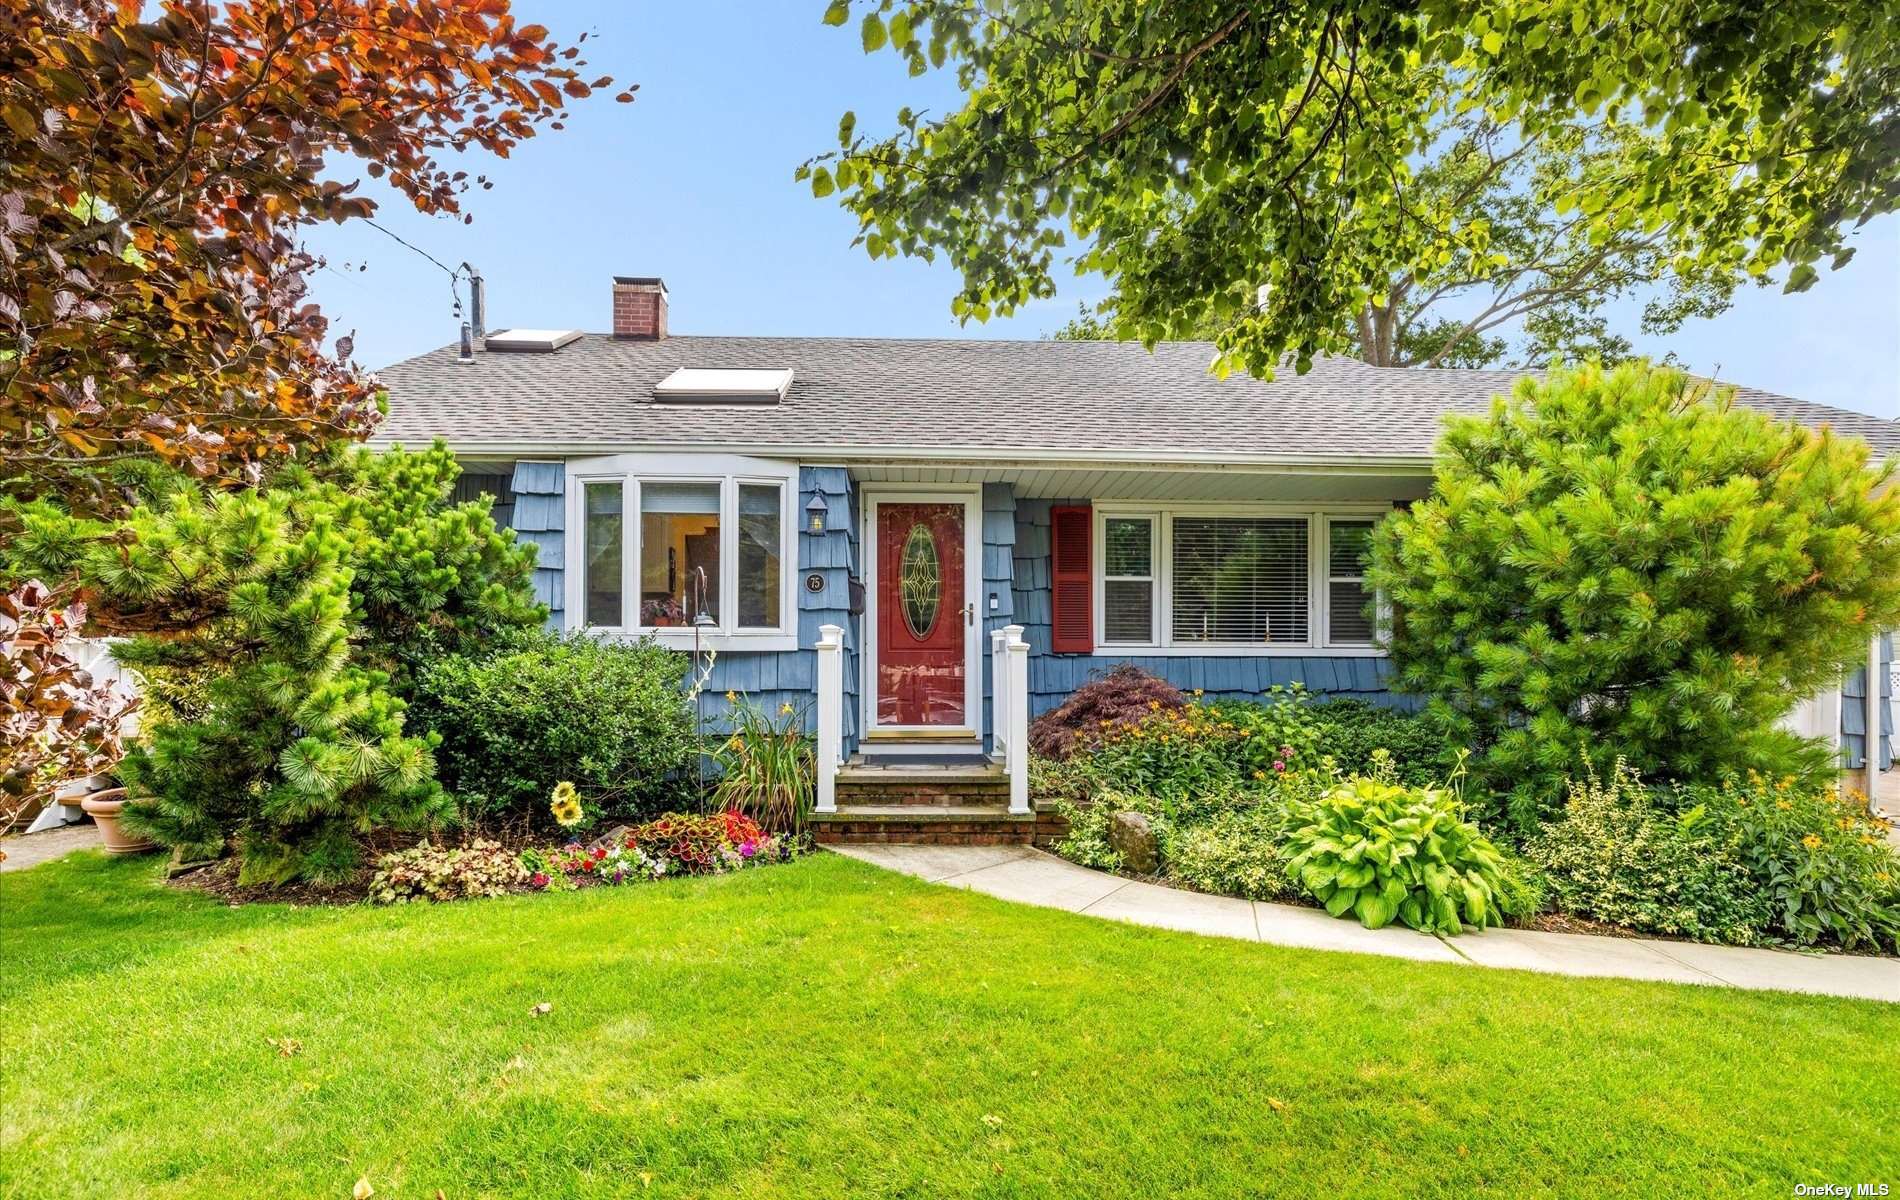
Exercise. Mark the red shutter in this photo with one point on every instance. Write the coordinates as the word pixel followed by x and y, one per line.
pixel 1073 621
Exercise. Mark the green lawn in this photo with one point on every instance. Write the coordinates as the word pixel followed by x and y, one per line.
pixel 827 1029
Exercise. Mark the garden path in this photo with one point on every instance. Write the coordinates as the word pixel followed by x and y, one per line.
pixel 32 849
pixel 1031 876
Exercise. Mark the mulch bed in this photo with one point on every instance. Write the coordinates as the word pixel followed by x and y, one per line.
pixel 220 879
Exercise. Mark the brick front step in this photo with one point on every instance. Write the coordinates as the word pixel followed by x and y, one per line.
pixel 949 825
pixel 934 785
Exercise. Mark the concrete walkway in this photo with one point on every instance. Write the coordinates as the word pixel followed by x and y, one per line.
pixel 32 849
pixel 1034 877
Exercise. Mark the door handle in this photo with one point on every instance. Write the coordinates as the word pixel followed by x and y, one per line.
pixel 969 613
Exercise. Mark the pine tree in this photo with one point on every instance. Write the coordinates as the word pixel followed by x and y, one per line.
pixel 1628 564
pixel 302 602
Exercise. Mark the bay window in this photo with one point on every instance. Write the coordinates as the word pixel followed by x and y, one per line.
pixel 604 542
pixel 1232 580
pixel 708 552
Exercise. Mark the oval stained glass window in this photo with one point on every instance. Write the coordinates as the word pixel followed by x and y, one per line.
pixel 920 581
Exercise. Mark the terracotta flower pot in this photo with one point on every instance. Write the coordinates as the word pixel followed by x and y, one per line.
pixel 104 808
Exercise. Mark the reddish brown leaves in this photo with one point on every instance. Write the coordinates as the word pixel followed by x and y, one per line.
pixel 56 721
pixel 153 179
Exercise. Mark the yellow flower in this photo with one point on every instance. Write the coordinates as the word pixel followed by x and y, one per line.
pixel 785 709
pixel 731 696
pixel 566 805
pixel 1812 841
pixel 1783 805
pixel 1199 692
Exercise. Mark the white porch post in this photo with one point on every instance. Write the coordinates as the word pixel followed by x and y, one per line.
pixel 1016 712
pixel 999 698
pixel 830 748
pixel 1873 704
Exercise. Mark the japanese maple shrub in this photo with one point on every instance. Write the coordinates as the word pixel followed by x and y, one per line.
pixel 1626 563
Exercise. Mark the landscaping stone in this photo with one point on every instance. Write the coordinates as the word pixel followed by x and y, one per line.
pixel 1134 839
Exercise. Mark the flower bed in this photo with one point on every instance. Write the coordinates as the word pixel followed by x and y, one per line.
pixel 1294 801
pixel 674 844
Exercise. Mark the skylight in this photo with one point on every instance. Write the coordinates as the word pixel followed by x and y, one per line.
pixel 723 385
pixel 530 341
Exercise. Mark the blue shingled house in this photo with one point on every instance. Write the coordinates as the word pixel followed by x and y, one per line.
pixel 927 542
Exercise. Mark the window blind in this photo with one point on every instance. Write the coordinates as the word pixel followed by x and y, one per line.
pixel 1240 580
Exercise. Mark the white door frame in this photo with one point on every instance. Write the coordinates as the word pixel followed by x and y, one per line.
pixel 871 496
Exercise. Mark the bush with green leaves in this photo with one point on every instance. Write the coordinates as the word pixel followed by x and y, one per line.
pixel 1627 563
pixel 1239 851
pixel 1207 748
pixel 1620 855
pixel 282 614
pixel 1821 863
pixel 1383 852
pixel 1351 732
pixel 610 716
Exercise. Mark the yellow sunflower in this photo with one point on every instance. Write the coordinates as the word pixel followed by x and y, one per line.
pixel 566 805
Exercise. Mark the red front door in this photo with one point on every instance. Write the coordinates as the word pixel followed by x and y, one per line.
pixel 921 623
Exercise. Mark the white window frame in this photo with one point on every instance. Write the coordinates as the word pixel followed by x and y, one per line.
pixel 1100 580
pixel 1379 622
pixel 1318 623
pixel 728 472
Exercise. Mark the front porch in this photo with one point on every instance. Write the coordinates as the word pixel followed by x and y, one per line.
pixel 910 790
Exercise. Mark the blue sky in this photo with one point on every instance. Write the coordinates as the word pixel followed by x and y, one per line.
pixel 693 182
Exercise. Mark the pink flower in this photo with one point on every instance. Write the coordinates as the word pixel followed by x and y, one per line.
pixel 748 848
pixel 540 879
pixel 1278 765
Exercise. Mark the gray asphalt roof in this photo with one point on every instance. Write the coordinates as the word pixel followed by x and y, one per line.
pixel 959 398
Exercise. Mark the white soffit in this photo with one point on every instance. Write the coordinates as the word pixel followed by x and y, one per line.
pixel 723 385
pixel 530 341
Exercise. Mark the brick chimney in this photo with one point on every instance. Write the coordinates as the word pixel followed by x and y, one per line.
pixel 639 307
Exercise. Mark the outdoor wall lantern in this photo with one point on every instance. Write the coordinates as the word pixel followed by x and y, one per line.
pixel 816 513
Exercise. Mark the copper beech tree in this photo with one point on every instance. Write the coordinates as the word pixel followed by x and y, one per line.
pixel 56 721
pixel 157 164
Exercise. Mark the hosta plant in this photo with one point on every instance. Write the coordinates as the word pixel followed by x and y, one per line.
pixel 1384 852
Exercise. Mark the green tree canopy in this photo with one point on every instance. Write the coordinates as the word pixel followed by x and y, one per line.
pixel 285 626
pixel 1627 565
pixel 1201 148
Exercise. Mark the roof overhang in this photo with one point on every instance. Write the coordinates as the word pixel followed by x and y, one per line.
pixel 987 456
